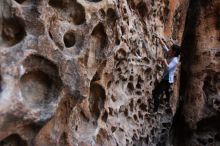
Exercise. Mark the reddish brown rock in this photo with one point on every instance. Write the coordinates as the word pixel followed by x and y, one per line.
pixel 199 117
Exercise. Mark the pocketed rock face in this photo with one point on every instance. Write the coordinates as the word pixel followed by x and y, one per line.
pixel 82 72
pixel 201 80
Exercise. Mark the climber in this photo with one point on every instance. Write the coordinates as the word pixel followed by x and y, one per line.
pixel 170 63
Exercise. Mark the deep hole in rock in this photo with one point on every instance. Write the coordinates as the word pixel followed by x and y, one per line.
pixel 41 83
pixel 13 140
pixel 75 10
pixel 20 1
pixel 135 117
pixel 13 30
pixel 148 70
pixel 134 138
pixel 96 99
pixel 63 140
pixel 111 14
pixel 210 140
pixel 120 55
pixel 122 30
pixel 140 115
pixel 217 54
pixel 69 39
pixel 59 3
pixel 216 102
pixel 166 125
pixel 143 107
pixel 125 11
pixel 100 36
pixel 131 78
pixel 138 92
pixel 113 129
pixel 217 137
pixel 111 111
pixel 211 123
pixel 130 87
pixel 97 76
pixel 102 13
pixel 138 86
pixel 202 141
pixel 94 0
pixel 139 101
pixel 38 62
pixel 131 4
pixel 146 60
pixel 36 86
pixel 113 98
pixel 105 116
pixel 142 9
pixel 121 130
pixel 131 105
pixel 36 127
pixel 126 112
pixel 117 38
pixel 109 84
pixel 78 14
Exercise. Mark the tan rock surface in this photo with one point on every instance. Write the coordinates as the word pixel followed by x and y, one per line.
pixel 81 72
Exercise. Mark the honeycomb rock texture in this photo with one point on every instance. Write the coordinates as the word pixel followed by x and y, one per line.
pixel 81 72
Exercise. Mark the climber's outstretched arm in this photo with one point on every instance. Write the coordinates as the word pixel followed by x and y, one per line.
pixel 165 48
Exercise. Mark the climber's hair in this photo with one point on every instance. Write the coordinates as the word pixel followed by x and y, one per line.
pixel 176 49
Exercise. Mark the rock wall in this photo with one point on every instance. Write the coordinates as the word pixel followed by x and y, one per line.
pixel 81 72
pixel 201 76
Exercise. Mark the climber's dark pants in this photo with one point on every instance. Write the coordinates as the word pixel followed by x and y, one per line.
pixel 164 85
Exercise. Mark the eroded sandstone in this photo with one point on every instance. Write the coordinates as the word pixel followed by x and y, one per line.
pixel 81 72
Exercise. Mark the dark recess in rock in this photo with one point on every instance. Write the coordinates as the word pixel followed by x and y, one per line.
pixel 100 34
pixel 189 41
pixel 96 99
pixel 13 30
pixel 13 140
pixel 78 14
pixel 111 14
pixel 59 3
pixel 142 9
pixel 69 39
pixel 36 87
pixel 63 140
pixel 100 40
pixel 94 0
pixel 41 83
pixel 20 1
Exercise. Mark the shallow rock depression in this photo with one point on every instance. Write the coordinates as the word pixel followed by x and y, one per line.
pixel 81 72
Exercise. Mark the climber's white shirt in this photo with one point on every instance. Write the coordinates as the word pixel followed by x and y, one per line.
pixel 171 68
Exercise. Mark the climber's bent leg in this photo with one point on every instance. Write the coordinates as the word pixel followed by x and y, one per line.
pixel 167 91
pixel 157 92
